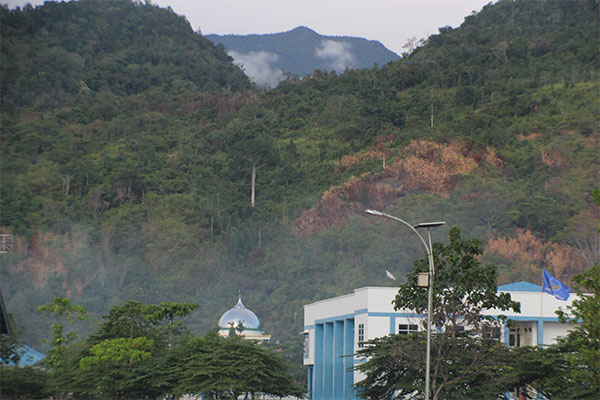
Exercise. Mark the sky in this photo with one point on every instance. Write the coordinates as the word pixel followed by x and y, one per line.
pixel 391 22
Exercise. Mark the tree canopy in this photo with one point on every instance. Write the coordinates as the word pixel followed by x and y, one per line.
pixel 465 353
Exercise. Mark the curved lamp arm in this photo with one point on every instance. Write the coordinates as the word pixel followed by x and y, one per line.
pixel 381 214
pixel 430 284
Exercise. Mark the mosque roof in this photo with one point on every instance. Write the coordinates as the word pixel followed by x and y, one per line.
pixel 239 313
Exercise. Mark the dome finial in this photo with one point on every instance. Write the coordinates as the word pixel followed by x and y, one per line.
pixel 238 313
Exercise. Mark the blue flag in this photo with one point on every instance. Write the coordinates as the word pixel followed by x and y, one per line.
pixel 555 287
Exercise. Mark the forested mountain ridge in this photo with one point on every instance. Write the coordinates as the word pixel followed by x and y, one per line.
pixel 116 194
pixel 301 51
pixel 63 49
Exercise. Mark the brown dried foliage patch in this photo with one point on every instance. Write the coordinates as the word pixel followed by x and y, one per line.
pixel 424 167
pixel 552 158
pixel 353 159
pixel 49 254
pixel 531 136
pixel 531 253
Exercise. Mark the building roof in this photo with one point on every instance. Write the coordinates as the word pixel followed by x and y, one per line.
pixel 239 313
pixel 520 287
pixel 29 356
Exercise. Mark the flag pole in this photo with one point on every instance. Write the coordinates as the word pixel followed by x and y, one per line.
pixel 540 326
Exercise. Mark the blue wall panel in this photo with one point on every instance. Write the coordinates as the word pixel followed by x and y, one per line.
pixel 338 360
pixel 310 381
pixel 318 357
pixel 348 361
pixel 331 377
pixel 328 361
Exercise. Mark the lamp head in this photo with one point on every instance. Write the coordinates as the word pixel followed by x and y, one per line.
pixel 429 224
pixel 374 212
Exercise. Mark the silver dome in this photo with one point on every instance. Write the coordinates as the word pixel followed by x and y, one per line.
pixel 238 313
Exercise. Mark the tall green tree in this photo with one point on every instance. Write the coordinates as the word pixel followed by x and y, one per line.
pixel 61 309
pixel 584 315
pixel 119 361
pixel 570 368
pixel 577 372
pixel 463 289
pixel 253 152
pixel 127 320
pixel 168 311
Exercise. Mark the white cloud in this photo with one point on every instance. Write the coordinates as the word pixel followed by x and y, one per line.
pixel 337 54
pixel 257 65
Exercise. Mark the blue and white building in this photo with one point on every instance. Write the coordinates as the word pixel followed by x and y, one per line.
pixel 334 328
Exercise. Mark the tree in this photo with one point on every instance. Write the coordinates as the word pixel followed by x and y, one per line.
pixel 119 360
pixel 383 143
pixel 168 311
pixel 61 309
pixel 229 367
pixel 581 372
pixel 463 288
pixel 118 351
pixel 570 368
pixel 120 368
pixel 254 152
pixel 395 367
pixel 126 320
pixel 23 383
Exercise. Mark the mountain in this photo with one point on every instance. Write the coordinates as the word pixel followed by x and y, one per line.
pixel 300 52
pixel 129 150
pixel 61 50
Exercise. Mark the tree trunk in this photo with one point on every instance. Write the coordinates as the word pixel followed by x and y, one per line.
pixel 66 181
pixel 252 194
pixel 432 114
pixel 259 236
pixel 170 334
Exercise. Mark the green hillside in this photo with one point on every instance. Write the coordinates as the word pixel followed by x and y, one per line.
pixel 52 53
pixel 129 141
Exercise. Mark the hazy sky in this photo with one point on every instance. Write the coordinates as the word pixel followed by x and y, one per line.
pixel 391 22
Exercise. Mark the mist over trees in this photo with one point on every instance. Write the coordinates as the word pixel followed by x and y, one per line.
pixel 129 144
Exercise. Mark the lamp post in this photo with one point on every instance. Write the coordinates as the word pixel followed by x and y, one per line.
pixel 429 250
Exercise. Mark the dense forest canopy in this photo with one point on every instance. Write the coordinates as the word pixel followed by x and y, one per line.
pixel 129 143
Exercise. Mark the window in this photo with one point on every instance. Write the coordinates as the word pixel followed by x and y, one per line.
pixel 361 335
pixel 521 336
pixel 491 332
pixel 514 338
pixel 306 344
pixel 404 329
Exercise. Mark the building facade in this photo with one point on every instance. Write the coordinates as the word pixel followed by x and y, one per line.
pixel 334 329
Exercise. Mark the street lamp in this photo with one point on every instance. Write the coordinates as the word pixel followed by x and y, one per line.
pixel 429 250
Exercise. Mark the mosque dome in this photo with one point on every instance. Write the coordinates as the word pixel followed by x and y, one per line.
pixel 239 312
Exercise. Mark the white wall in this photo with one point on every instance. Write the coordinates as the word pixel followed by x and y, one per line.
pixel 534 304
pixel 554 330
pixel 378 327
